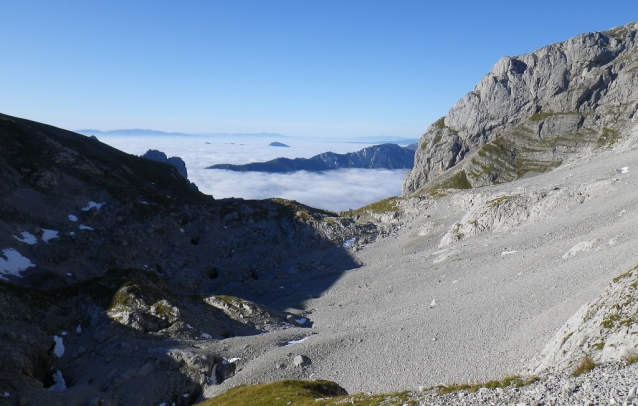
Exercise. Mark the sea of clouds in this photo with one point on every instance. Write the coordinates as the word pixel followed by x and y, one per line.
pixel 336 190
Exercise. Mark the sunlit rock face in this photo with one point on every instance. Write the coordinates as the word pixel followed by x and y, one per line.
pixel 534 111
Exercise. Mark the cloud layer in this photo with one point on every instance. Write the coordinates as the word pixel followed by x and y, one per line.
pixel 332 190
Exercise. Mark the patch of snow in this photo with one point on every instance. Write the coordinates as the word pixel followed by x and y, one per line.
pixel 302 320
pixel 213 375
pixel 6 394
pixel 204 335
pixel 144 202
pixel 189 326
pixel 72 217
pixel 58 350
pixel 433 303
pixel 14 263
pixel 624 169
pixel 69 273
pixel 49 235
pixel 349 243
pixel 293 342
pixel 91 205
pixel 233 360
pixel 27 238
pixel 64 333
pixel 59 383
pixel 455 281
pixel 72 233
pixel 508 253
pixel 185 395
pixel 162 404
pixel 78 329
pixel 83 227
pixel 181 230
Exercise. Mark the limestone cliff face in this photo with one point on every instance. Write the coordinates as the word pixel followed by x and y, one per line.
pixel 604 330
pixel 533 111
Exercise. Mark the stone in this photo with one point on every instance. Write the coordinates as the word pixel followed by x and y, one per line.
pixel 159 156
pixel 301 361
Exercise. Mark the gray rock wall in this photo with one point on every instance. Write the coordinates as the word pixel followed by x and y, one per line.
pixel 531 112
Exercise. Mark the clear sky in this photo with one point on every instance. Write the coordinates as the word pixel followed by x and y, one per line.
pixel 307 68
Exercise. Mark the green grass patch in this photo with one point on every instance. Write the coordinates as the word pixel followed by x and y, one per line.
pixel 627 274
pixel 302 393
pixel 599 346
pixel 608 138
pixel 515 380
pixel 609 322
pixel 380 207
pixel 458 181
pixel 586 365
pixel 630 357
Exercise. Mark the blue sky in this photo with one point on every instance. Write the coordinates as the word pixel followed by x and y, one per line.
pixel 306 68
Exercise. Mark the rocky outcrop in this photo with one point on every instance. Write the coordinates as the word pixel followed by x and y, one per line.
pixel 159 156
pixel 534 111
pixel 385 156
pixel 604 330
pixel 112 268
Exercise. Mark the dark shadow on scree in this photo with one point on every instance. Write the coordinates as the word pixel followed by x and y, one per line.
pixel 153 239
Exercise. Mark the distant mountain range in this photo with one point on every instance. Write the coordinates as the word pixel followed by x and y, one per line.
pixel 381 139
pixel 136 131
pixel 384 156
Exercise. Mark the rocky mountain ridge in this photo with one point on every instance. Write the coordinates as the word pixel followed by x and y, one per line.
pixel 532 112
pixel 384 156
pixel 159 156
pixel 116 273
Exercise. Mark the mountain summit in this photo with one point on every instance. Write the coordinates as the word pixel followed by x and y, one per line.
pixel 533 112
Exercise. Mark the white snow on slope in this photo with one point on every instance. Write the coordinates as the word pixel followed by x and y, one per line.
pixel 72 217
pixel 14 263
pixel 348 243
pixel 83 227
pixel 49 235
pixel 58 350
pixel 59 383
pixel 624 169
pixel 91 205
pixel 293 342
pixel 27 238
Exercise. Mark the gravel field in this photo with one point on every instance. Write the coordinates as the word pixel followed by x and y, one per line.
pixel 422 313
